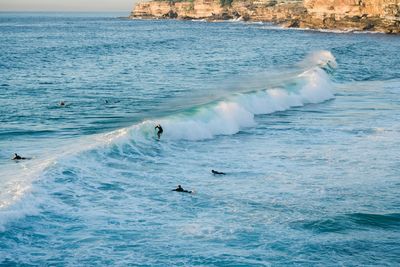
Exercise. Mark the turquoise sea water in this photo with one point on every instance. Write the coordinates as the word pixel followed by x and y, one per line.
pixel 306 125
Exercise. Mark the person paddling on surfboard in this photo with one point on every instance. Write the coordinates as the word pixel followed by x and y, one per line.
pixel 217 172
pixel 160 130
pixel 17 157
pixel 180 189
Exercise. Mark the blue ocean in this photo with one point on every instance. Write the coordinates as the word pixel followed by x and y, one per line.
pixel 304 124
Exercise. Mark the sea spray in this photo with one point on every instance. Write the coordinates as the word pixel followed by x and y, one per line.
pixel 309 84
pixel 237 111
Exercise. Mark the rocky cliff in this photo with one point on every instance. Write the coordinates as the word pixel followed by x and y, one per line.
pixel 372 15
pixel 375 15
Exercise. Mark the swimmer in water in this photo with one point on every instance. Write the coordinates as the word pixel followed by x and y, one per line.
pixel 217 172
pixel 160 130
pixel 62 103
pixel 180 189
pixel 17 157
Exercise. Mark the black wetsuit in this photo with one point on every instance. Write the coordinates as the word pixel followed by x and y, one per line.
pixel 18 157
pixel 216 172
pixel 180 189
pixel 160 130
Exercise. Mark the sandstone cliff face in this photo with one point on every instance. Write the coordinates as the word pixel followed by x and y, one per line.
pixel 283 12
pixel 197 9
pixel 374 15
pixel 379 15
pixel 341 8
pixel 258 10
pixel 151 9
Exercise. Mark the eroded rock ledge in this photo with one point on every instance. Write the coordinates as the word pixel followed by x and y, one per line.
pixel 347 15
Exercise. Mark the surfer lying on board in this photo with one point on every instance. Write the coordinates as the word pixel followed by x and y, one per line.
pixel 217 172
pixel 180 189
pixel 160 130
pixel 17 157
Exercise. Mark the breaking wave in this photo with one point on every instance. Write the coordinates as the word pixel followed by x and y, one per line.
pixel 308 83
pixel 230 115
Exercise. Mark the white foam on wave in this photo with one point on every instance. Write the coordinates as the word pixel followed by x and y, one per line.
pixel 237 112
pixel 224 118
pixel 17 182
pixel 19 209
pixel 322 59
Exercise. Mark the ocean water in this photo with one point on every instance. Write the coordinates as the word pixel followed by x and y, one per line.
pixel 306 125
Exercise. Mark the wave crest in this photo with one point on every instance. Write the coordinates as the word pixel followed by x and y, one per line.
pixel 237 111
pixel 309 84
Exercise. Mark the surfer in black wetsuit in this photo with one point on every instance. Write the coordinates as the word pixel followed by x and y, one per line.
pixel 160 130
pixel 217 172
pixel 180 189
pixel 17 157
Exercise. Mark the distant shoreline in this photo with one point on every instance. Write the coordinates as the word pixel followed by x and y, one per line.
pixel 287 14
pixel 272 25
